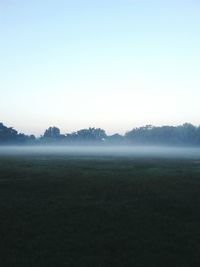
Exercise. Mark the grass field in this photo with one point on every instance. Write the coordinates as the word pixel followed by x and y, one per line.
pixel 68 211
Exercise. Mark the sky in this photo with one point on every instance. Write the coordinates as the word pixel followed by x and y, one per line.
pixel 114 64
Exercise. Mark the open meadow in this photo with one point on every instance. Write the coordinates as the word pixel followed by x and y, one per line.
pixel 99 211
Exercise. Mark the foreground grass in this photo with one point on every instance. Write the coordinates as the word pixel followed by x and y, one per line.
pixel 99 212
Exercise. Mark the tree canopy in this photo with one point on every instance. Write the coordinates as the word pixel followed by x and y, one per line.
pixel 8 135
pixel 186 134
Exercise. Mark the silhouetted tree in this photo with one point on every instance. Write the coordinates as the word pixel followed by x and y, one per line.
pixel 115 139
pixel 87 135
pixel 185 134
pixel 52 132
pixel 52 135
pixel 91 134
pixel 10 136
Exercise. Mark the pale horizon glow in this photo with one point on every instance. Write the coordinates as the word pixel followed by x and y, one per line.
pixel 114 64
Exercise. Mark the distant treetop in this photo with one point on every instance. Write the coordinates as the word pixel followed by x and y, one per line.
pixel 186 134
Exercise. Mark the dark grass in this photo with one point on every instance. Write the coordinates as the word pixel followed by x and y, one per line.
pixel 57 211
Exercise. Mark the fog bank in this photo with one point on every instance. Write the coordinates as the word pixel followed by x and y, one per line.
pixel 113 151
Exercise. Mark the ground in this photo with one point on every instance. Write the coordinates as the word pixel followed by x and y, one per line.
pixel 68 211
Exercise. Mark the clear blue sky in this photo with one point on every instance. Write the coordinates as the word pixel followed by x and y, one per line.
pixel 114 64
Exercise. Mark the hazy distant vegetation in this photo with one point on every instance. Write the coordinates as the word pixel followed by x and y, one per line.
pixel 186 134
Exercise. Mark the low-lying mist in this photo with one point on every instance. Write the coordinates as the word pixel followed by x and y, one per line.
pixel 112 151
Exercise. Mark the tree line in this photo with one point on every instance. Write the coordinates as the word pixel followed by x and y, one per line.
pixel 186 134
